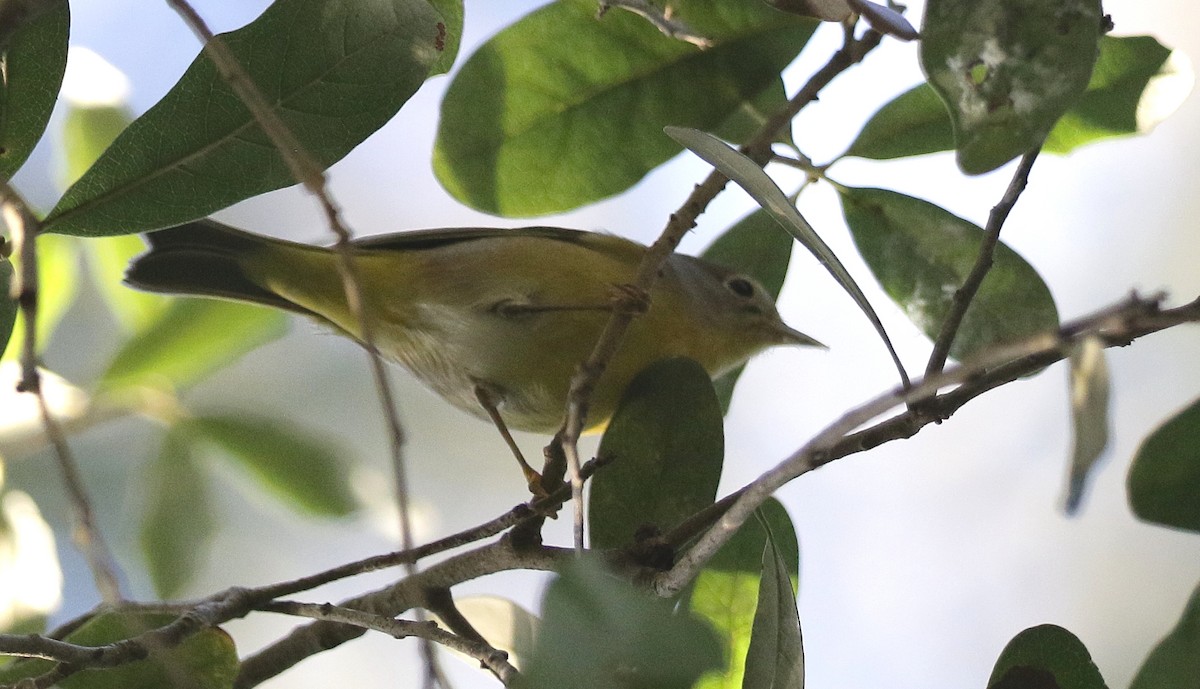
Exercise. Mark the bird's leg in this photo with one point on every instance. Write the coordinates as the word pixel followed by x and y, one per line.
pixel 532 478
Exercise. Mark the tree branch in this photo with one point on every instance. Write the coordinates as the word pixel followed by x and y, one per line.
pixel 983 263
pixel 1115 326
pixel 86 534
pixel 490 657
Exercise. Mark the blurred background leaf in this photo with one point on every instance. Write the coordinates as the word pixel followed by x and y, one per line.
pixel 599 632
pixel 302 471
pixel 177 520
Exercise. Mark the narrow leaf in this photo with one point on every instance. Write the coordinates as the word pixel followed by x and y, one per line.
pixel 1175 661
pixel 204 660
pixel 1089 415
pixel 34 62
pixel 303 471
pixel 726 592
pixel 1164 479
pixel 885 20
pixel 753 246
pixel 178 519
pixel 1134 86
pixel 762 189
pixel 775 659
pixel 533 124
pixel 666 442
pixel 599 632
pixel 921 254
pixel 190 340
pixel 335 72
pixel 1050 652
pixel 1007 70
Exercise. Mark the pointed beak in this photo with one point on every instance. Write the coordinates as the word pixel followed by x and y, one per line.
pixel 790 336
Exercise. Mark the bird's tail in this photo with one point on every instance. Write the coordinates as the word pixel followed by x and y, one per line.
pixel 203 258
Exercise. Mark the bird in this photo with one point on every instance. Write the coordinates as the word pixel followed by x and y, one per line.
pixel 495 321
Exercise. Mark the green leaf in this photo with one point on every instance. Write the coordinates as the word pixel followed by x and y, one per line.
pixel 1164 478
pixel 921 254
pixel 58 272
pixel 535 124
pixel 449 34
pixel 1007 70
pixel 192 339
pixel 914 123
pixel 726 591
pixel 666 442
pixel 771 198
pixel 1132 88
pixel 205 660
pixel 1089 415
pixel 34 64
pixel 335 72
pixel 598 632
pixel 1175 661
pixel 775 659
pixel 8 306
pixel 753 246
pixel 1041 652
pixel 301 470
pixel 178 520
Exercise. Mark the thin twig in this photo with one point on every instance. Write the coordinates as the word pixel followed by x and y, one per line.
pixel 758 148
pixel 661 19
pixel 310 174
pixel 490 657
pixel 1116 326
pixel 983 263
pixel 24 228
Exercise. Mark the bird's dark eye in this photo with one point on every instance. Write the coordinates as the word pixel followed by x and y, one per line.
pixel 740 286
